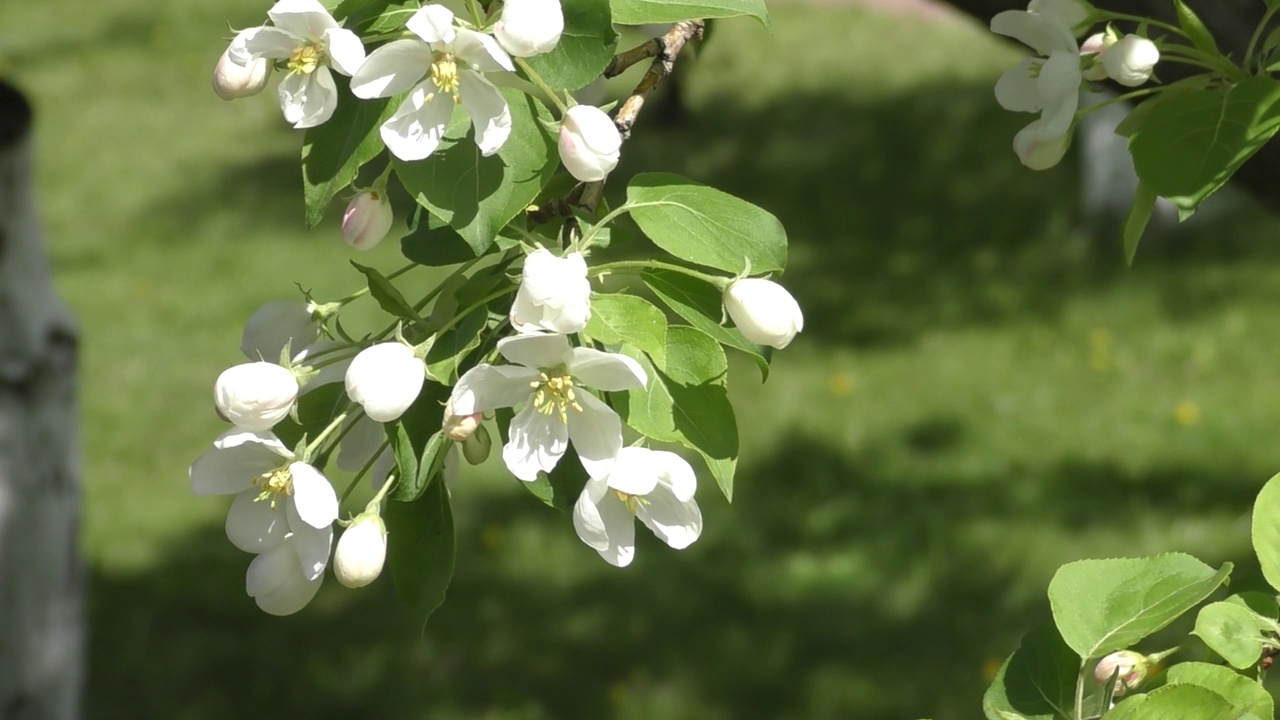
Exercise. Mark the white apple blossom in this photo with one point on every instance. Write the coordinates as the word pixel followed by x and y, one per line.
pixel 385 379
pixel 367 220
pixel 529 27
pixel 280 502
pixel 554 294
pixel 277 582
pixel 1131 60
pixel 1049 84
pixel 361 551
pixel 276 324
pixel 764 311
pixel 653 485
pixel 256 395
pixel 231 80
pixel 589 143
pixel 307 38
pixel 452 59
pixel 546 375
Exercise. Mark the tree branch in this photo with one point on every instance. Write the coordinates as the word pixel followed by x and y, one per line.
pixel 664 51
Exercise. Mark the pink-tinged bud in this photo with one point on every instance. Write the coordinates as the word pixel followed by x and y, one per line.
pixel 590 143
pixel 459 427
pixel 361 551
pixel 231 80
pixel 1131 60
pixel 1096 45
pixel 1130 666
pixel 367 220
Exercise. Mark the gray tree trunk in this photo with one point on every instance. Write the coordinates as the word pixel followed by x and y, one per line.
pixel 41 576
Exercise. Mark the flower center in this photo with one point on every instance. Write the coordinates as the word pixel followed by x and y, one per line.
pixel 277 483
pixel 444 73
pixel 303 60
pixel 553 392
pixel 633 502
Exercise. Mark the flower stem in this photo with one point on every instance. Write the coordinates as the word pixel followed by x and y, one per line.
pixel 719 282
pixel 1257 35
pixel 541 84
pixel 1104 15
pixel 1079 708
pixel 368 465
pixel 604 221
pixel 1121 98
pixel 457 318
pixel 333 425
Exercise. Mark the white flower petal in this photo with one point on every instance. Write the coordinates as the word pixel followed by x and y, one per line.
pixel 536 442
pixel 304 18
pixel 606 371
pixel 308 99
pixel 1071 13
pixel 1042 33
pixel 490 116
pixel 254 526
pixel 596 433
pixel 313 496
pixel 676 523
pixel 346 52
pixel 392 69
pixel 276 324
pixel 264 42
pixel 1038 147
pixel 385 379
pixel 620 528
pixel 416 128
pixel 676 473
pixel 433 23
pixel 534 351
pixel 586 516
pixel 481 52
pixel 236 437
pixel 232 469
pixel 276 583
pixel 1016 90
pixel 311 544
pixel 634 471
pixel 487 387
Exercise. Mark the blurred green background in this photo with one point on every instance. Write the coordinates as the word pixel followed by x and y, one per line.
pixel 982 392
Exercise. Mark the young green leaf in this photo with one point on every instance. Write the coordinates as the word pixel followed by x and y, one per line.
pixel 1195 29
pixel 1101 606
pixel 617 319
pixel 642 12
pixel 333 153
pixel 388 297
pixel 417 444
pixel 451 347
pixel 1245 694
pixel 1036 682
pixel 705 226
pixel 1178 702
pixel 1144 203
pixel 420 549
pixel 1266 530
pixel 586 46
pixel 700 304
pixel 1233 631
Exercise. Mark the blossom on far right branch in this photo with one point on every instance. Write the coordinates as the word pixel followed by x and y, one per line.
pixel 763 310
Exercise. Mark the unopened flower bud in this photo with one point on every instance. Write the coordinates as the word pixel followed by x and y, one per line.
pixel 255 396
pixel 361 551
pixel 529 27
pixel 1130 666
pixel 367 220
pixel 476 448
pixel 460 427
pixel 554 294
pixel 385 379
pixel 1096 45
pixel 1131 60
pixel 589 143
pixel 231 80
pixel 764 311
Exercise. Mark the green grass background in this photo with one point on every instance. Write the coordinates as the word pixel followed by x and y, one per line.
pixel 981 393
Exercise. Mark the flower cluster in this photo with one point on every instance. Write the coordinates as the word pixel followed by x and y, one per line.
pixel 1049 83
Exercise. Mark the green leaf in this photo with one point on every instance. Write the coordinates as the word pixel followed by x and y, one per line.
pixel 1177 702
pixel 416 442
pixel 1266 530
pixel 1233 631
pixel 1245 694
pixel 1105 605
pixel 420 549
pixel 450 348
pixel 477 195
pixel 617 319
pixel 1190 145
pixel 435 246
pixel 1136 117
pixel 642 12
pixel 689 405
pixel 1195 29
pixel 333 153
pixel 705 226
pixel 1037 682
pixel 586 46
pixel 388 297
pixel 1144 203
pixel 701 305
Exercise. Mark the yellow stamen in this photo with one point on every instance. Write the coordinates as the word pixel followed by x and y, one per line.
pixel 277 483
pixel 444 73
pixel 554 393
pixel 305 59
pixel 633 502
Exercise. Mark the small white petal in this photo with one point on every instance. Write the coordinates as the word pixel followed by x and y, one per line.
pixel 265 42
pixel 676 473
pixel 676 523
pixel 346 52
pixel 596 433
pixel 586 516
pixel 275 581
pixel 417 127
pixel 606 371
pixel 490 116
pixel 481 52
pixel 488 387
pixel 308 99
pixel 276 324
pixel 238 50
pixel 254 526
pixel 536 443
pixel 535 351
pixel 392 69
pixel 634 471
pixel 620 527
pixel 290 597
pixel 433 23
pixel 1016 90
pixel 311 544
pixel 232 469
pixel 313 496
pixel 304 18
pixel 1042 33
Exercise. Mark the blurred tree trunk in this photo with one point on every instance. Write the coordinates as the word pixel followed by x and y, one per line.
pixel 1231 22
pixel 41 577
